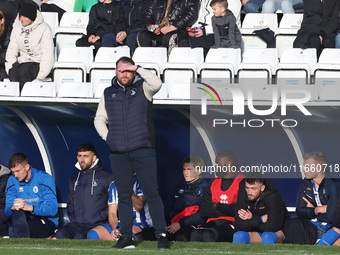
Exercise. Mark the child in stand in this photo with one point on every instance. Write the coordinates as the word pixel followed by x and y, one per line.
pixel 226 32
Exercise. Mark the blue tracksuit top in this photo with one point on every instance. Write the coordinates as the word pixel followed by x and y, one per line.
pixel 39 191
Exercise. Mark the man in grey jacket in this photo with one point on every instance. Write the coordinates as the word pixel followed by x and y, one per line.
pixel 30 53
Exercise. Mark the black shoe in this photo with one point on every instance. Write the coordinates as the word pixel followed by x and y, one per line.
pixel 162 242
pixel 124 243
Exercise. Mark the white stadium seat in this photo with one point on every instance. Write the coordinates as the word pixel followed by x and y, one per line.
pixel 72 66
pixel 221 63
pixel 51 18
pixel 256 21
pixel 152 58
pixel 76 89
pixel 39 89
pixel 255 73
pixel 285 34
pixel 72 27
pixel 327 75
pixel 184 64
pixel 296 66
pixel 8 88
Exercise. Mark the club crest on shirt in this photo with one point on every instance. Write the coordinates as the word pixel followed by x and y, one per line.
pixel 35 189
pixel 21 189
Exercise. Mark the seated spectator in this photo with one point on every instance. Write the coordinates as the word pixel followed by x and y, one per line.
pixel 262 214
pixel 5 173
pixel 141 216
pixel 203 34
pixel 182 209
pixel 90 184
pixel 166 23
pixel 31 200
pixel 132 10
pixel 319 26
pixel 5 33
pixel 30 53
pixel 59 6
pixel 287 6
pixel 104 18
pixel 218 204
pixel 316 203
pixel 252 6
pixel 226 32
pixel 10 9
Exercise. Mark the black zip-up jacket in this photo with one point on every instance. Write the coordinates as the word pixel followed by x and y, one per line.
pixel 185 195
pixel 270 203
pixel 133 15
pixel 105 18
pixel 328 194
pixel 182 13
pixel 88 193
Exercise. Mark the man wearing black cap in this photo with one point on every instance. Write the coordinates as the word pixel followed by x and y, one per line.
pixel 30 53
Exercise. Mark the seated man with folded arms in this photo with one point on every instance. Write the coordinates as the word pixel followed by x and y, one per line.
pixel 182 209
pixel 316 203
pixel 261 214
pixel 218 204
pixel 141 216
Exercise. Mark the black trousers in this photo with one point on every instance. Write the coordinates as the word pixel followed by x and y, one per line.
pixel 214 231
pixel 74 231
pixel 4 222
pixel 182 235
pixel 24 72
pixel 143 163
pixel 52 8
pixel 83 42
pixel 26 225
pixel 145 38
pixel 300 231
pixel 313 41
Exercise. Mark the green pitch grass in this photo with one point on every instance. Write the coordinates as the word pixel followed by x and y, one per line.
pixel 84 247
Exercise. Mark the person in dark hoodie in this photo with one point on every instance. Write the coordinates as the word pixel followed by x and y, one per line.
pixel 4 41
pixel 262 214
pixel 5 173
pixel 88 195
pixel 182 209
pixel 316 202
pixel 104 17
pixel 132 10
pixel 226 32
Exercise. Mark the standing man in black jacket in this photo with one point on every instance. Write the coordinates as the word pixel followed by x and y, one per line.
pixel 88 193
pixel 262 214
